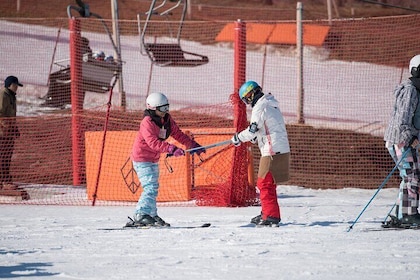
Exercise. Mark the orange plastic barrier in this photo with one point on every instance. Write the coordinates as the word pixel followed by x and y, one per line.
pixel 257 33
pixel 119 182
pixel 313 35
pixel 282 33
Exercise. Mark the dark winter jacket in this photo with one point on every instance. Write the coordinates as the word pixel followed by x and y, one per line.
pixel 8 126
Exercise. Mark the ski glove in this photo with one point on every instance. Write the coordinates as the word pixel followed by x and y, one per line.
pixel 198 151
pixel 235 140
pixel 175 151
pixel 413 142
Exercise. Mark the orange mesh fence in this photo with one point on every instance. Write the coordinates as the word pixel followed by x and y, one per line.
pixel 350 70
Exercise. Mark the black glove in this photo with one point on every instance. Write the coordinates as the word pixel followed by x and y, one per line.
pixel 198 151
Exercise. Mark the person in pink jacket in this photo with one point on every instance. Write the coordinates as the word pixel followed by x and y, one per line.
pixel 268 129
pixel 157 125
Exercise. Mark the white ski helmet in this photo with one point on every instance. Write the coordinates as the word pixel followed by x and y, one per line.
pixel 414 68
pixel 155 100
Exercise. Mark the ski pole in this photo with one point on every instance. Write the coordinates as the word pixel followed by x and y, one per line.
pixel 195 149
pixel 389 212
pixel 380 187
pixel 209 146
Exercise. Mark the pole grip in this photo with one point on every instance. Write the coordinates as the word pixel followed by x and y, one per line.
pixel 209 146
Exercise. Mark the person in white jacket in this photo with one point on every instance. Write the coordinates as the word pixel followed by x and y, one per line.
pixel 266 127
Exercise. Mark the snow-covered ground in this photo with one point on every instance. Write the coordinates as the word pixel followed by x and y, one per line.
pixel 313 242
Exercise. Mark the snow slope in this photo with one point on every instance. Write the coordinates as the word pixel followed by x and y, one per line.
pixel 313 242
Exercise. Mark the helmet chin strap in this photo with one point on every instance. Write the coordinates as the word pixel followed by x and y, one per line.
pixel 256 96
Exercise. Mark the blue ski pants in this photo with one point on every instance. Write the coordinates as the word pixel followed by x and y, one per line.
pixel 148 174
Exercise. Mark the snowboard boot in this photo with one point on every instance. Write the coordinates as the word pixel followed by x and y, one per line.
pixel 411 219
pixel 144 220
pixel 269 222
pixel 256 219
pixel 160 222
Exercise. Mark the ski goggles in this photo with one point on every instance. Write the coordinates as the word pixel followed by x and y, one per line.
pixel 163 108
pixel 247 99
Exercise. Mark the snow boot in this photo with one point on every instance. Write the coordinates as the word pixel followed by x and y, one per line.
pixel 144 220
pixel 256 219
pixel 269 222
pixel 407 222
pixel 160 222
pixel 411 219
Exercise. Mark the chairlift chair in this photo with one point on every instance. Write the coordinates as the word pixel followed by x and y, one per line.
pixel 170 54
pixel 97 75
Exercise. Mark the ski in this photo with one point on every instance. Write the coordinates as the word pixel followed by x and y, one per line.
pixel 408 227
pixel 205 225
pixel 251 225
pixel 399 226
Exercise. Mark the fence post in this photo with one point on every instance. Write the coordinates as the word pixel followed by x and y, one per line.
pixel 299 54
pixel 240 55
pixel 117 53
pixel 76 97
pixel 239 173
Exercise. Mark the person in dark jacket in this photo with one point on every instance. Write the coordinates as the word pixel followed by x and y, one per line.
pixel 8 130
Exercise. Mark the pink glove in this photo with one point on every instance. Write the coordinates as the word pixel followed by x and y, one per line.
pixel 179 152
pixel 175 151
